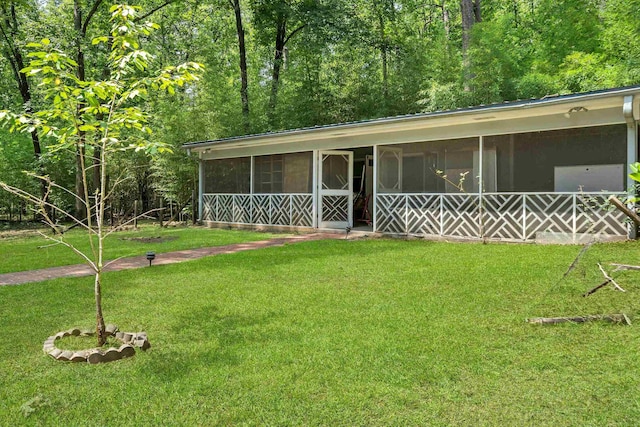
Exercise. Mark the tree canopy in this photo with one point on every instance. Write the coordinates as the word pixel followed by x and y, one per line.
pixel 272 65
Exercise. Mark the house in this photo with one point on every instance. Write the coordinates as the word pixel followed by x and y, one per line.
pixel 510 171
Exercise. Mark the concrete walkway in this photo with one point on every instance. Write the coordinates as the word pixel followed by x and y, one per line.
pixel 81 270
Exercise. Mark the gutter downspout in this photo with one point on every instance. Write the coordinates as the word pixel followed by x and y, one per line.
pixel 632 152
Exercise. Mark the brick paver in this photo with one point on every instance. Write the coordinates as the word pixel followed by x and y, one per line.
pixel 81 270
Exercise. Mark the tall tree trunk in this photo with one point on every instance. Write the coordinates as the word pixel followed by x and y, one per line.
pixel 14 55
pixel 470 10
pixel 446 21
pixel 244 88
pixel 81 211
pixel 281 31
pixel 385 65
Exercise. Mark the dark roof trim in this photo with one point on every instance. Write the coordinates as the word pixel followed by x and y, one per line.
pixel 407 117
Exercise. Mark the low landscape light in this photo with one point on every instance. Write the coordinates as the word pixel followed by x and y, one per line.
pixel 151 256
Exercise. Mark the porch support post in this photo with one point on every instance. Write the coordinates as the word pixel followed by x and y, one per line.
pixel 314 189
pixel 200 187
pixel 251 185
pixel 375 188
pixel 480 186
pixel 632 150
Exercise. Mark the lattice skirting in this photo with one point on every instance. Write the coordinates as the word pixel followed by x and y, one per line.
pixel 259 209
pixel 509 216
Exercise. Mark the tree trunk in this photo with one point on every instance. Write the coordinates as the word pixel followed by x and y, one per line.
pixel 281 31
pixel 446 21
pixel 470 10
pixel 81 211
pixel 244 90
pixel 385 65
pixel 101 329
pixel 13 54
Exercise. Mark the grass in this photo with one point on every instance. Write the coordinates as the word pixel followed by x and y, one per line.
pixel 380 332
pixel 19 253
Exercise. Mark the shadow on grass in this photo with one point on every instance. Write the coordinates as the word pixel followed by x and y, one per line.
pixel 204 337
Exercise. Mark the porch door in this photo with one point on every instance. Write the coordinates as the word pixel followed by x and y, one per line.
pixel 335 189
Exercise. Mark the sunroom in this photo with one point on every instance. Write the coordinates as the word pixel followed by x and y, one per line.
pixel 515 171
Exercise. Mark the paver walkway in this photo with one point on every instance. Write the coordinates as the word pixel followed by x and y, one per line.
pixel 81 270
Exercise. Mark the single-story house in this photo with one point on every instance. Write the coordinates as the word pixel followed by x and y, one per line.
pixel 508 171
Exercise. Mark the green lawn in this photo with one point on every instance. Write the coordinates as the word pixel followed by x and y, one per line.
pixel 378 332
pixel 20 253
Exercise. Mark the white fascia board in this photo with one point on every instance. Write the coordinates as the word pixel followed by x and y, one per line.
pixel 522 124
pixel 492 115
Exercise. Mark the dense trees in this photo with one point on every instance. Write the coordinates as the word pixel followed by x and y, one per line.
pixel 273 65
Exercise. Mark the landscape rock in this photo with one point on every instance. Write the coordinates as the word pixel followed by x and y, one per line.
pixel 78 357
pixel 55 353
pixel 126 350
pixel 95 356
pixel 65 356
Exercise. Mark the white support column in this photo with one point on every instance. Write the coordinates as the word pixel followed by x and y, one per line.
pixel 375 188
pixel 481 230
pixel 200 187
pixel 314 189
pixel 632 148
pixel 251 184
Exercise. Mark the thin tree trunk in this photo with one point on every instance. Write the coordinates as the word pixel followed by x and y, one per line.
pixel 385 65
pixel 244 88
pixel 470 10
pixel 446 21
pixel 281 32
pixel 81 210
pixel 13 54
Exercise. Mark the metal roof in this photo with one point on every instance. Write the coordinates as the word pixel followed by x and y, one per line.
pixel 490 107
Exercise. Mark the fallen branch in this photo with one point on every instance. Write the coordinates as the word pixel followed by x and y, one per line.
pixel 613 318
pixel 625 267
pixel 593 290
pixel 613 282
pixel 628 212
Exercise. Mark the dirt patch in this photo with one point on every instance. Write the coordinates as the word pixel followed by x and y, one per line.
pixel 157 239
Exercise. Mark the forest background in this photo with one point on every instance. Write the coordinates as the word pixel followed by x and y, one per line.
pixel 273 65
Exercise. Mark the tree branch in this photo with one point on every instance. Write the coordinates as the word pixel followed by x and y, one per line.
pixel 93 10
pixel 293 33
pixel 154 10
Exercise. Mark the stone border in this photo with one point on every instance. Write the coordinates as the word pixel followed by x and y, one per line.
pixel 129 341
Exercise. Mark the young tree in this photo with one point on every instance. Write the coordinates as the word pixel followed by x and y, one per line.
pixel 102 115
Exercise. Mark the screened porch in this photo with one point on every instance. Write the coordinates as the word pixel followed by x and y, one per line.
pixel 532 183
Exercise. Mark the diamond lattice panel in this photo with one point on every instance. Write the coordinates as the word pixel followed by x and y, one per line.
pixel 260 214
pixel 335 208
pixel 391 212
pixel 242 208
pixel 503 216
pixel 302 210
pixel 209 207
pixel 225 208
pixel 460 215
pixel 594 215
pixel 548 212
pixel 423 214
pixel 280 209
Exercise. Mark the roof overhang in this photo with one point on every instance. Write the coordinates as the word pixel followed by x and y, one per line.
pixel 581 110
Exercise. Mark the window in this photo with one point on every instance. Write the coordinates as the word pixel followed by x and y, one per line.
pixel 231 176
pixel 283 173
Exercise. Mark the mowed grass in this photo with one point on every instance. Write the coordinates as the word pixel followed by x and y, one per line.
pixel 18 253
pixel 379 332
